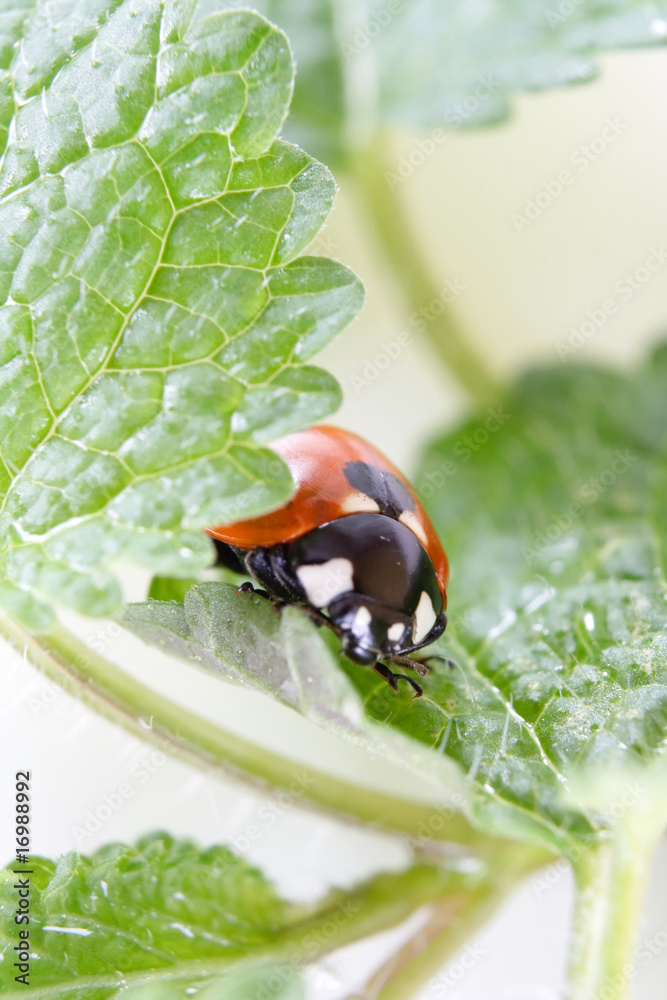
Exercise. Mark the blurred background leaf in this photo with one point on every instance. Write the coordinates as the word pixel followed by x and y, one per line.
pixel 433 63
pixel 552 510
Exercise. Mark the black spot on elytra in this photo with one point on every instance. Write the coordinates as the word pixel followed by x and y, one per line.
pixel 391 495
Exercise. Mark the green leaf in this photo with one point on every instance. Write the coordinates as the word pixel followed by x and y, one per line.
pixel 151 919
pixel 261 980
pixel 165 920
pixel 551 507
pixel 170 588
pixel 242 638
pixel 436 63
pixel 157 316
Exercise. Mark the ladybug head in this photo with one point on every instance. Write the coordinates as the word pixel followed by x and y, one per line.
pixel 376 582
pixel 369 630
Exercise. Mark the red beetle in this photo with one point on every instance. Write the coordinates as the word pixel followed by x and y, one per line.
pixel 353 547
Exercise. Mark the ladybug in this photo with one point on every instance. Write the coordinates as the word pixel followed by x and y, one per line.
pixel 353 548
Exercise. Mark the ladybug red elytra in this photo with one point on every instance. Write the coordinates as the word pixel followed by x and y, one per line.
pixel 353 548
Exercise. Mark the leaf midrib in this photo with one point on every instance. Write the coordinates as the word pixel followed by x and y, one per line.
pixel 175 213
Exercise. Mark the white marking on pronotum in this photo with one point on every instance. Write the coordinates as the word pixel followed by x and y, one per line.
pixel 411 521
pixel 425 618
pixel 81 931
pixel 324 582
pixel 356 503
pixel 395 631
pixel 362 618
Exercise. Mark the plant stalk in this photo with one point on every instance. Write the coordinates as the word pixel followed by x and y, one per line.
pixel 149 716
pixel 411 274
pixel 610 883
pixel 455 918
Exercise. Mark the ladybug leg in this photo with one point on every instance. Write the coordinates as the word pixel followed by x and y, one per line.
pixel 392 679
pixel 265 564
pixel 249 588
pixel 384 671
pixel 318 618
pixel 419 666
pixel 271 568
pixel 418 689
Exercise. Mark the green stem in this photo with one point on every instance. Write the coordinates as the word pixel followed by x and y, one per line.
pixel 455 918
pixel 411 275
pixel 610 883
pixel 146 714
